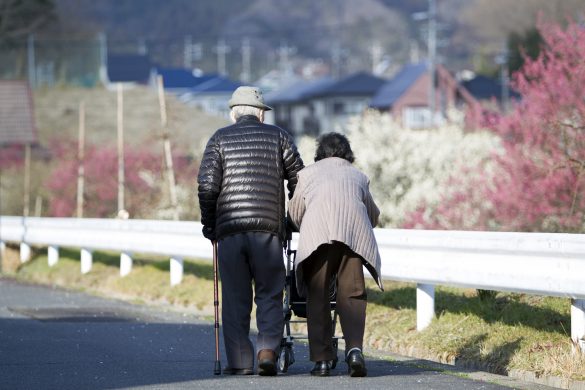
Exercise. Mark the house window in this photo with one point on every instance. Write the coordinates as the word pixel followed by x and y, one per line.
pixel 416 117
pixel 338 108
pixel 355 107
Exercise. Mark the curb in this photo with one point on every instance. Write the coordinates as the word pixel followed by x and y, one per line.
pixel 459 370
pixel 515 378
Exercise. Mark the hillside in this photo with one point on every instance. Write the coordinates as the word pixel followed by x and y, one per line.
pixel 56 112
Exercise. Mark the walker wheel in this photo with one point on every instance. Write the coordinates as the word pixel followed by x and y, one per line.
pixel 285 359
pixel 335 349
pixel 334 363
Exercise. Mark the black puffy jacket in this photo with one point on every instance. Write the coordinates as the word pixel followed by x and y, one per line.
pixel 241 179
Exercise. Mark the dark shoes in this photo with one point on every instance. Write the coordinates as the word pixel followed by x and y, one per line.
pixel 267 362
pixel 238 371
pixel 321 369
pixel 356 365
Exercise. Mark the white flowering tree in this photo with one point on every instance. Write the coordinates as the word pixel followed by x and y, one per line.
pixel 413 170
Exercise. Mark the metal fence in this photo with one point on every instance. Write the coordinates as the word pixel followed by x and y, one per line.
pixel 548 264
pixel 50 62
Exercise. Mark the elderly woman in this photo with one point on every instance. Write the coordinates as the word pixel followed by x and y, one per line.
pixel 335 213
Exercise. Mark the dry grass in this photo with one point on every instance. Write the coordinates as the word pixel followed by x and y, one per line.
pixel 513 331
pixel 56 112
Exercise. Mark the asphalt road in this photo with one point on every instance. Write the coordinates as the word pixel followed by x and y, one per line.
pixel 56 339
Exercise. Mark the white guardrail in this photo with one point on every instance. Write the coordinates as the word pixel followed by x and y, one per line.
pixel 534 263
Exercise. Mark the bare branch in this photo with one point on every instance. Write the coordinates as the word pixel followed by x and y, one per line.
pixel 572 126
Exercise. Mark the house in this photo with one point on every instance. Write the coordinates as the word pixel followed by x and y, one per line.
pixel 17 123
pixel 292 107
pixel 323 105
pixel 336 103
pixel 129 69
pixel 406 96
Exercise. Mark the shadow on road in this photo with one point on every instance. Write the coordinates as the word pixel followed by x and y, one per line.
pixel 63 349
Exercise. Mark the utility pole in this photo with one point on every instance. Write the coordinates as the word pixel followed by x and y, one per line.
pixel 284 52
pixel 103 49
pixel 80 160
pixel 432 47
pixel 377 52
pixel 336 54
pixel 142 49
pixel 188 52
pixel 246 76
pixel 32 79
pixel 191 52
pixel 170 172
pixel 222 49
pixel 121 210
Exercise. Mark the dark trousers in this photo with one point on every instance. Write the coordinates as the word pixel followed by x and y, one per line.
pixel 318 269
pixel 245 258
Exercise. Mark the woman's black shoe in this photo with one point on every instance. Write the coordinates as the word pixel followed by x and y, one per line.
pixel 321 369
pixel 356 365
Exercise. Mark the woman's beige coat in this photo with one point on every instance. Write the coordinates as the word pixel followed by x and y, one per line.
pixel 332 202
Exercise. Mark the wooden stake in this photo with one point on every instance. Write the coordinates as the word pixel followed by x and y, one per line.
pixel 80 160
pixel 170 172
pixel 38 206
pixel 120 150
pixel 26 199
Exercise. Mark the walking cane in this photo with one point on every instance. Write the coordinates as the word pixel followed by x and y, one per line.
pixel 217 368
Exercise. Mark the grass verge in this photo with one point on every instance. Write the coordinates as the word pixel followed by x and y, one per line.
pixel 512 331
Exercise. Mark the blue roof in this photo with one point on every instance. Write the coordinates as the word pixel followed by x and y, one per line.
pixel 129 68
pixel 181 78
pixel 357 84
pixel 485 88
pixel 216 84
pixel 395 88
pixel 299 91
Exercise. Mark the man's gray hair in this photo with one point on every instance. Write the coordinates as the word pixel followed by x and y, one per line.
pixel 238 111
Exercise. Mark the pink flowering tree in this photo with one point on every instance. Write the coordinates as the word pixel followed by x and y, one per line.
pixel 538 184
pixel 11 156
pixel 101 175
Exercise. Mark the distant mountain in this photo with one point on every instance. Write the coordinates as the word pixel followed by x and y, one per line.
pixel 338 34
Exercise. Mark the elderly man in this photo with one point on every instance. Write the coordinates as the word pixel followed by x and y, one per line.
pixel 241 195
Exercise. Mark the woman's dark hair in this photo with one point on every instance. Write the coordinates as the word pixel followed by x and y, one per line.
pixel 333 145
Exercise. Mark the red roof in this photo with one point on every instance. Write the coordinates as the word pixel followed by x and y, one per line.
pixel 17 123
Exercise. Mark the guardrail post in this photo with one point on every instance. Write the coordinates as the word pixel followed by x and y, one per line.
pixel 578 322
pixel 86 260
pixel 176 270
pixel 25 252
pixel 425 305
pixel 52 255
pixel 125 263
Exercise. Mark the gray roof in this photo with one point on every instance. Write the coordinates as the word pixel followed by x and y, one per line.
pixel 17 124
pixel 395 88
pixel 357 84
pixel 298 91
